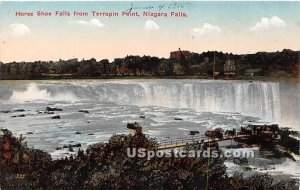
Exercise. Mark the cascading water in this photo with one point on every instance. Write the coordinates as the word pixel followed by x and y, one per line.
pixel 33 92
pixel 254 99
pixel 114 103
pixel 261 99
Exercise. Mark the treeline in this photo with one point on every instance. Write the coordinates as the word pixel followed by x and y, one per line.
pixel 107 166
pixel 284 63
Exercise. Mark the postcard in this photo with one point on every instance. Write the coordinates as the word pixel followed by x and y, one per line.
pixel 149 94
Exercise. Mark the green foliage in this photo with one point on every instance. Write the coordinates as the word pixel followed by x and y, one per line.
pixel 285 63
pixel 107 166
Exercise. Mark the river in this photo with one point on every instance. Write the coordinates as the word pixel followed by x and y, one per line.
pixel 196 105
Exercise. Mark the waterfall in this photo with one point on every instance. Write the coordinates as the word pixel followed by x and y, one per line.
pixel 253 99
pixel 261 99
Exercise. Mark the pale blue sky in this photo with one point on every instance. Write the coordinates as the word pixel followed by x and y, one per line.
pixel 238 27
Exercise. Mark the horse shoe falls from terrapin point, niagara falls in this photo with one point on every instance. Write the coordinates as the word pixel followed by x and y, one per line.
pixel 260 99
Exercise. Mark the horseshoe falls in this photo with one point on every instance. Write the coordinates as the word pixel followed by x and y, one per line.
pixel 259 99
pixel 111 104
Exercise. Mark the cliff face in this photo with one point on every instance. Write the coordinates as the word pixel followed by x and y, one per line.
pixel 276 64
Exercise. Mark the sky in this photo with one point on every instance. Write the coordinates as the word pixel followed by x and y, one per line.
pixel 237 27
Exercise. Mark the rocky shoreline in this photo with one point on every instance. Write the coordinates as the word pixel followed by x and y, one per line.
pixel 107 166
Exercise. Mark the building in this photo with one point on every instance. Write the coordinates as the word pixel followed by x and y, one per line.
pixel 229 69
pixel 206 59
pixel 229 66
pixel 180 54
pixel 74 60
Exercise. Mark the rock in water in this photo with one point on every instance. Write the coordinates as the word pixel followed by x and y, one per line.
pixel 48 109
pixel 77 145
pixel 55 117
pixel 133 126
pixel 6 111
pixel 84 111
pixel 194 132
pixel 22 115
pixel 19 110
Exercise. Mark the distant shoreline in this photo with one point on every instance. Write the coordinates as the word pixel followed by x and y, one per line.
pixel 182 64
pixel 259 79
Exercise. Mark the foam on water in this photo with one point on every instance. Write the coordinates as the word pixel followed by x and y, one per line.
pixel 33 93
pixel 260 99
pixel 112 104
pixel 288 167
